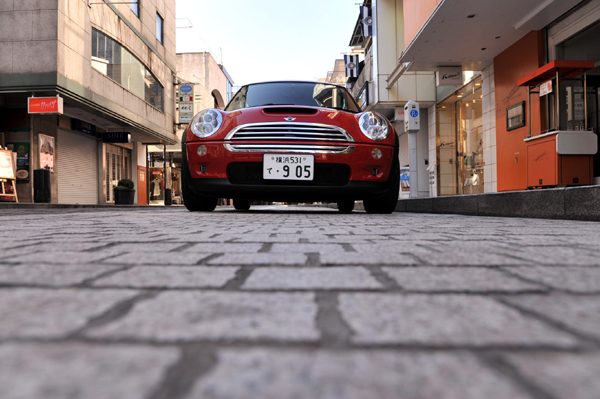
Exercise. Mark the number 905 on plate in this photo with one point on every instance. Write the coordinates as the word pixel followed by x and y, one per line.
pixel 288 167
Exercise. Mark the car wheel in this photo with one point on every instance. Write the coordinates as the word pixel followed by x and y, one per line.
pixel 345 206
pixel 387 203
pixel 241 205
pixel 192 201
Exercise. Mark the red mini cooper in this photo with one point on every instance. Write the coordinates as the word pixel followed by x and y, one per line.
pixel 291 142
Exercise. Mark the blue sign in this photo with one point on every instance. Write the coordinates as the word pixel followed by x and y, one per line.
pixel 414 113
pixel 185 88
pixel 116 137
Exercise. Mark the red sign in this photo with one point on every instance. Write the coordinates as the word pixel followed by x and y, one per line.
pixel 45 105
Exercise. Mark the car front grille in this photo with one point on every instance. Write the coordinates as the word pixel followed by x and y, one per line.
pixel 252 173
pixel 284 131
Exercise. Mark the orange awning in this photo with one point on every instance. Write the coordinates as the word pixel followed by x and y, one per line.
pixel 566 69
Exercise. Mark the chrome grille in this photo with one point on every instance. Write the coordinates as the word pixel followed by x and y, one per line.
pixel 284 131
pixel 291 148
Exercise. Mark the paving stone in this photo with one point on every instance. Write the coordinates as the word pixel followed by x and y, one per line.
pixel 50 274
pixel 227 248
pixel 304 248
pixel 157 258
pixel 558 255
pixel 465 279
pixel 571 278
pixel 259 259
pixel 52 313
pixel 176 316
pixel 275 374
pixel 281 238
pixel 78 371
pixel 581 313
pixel 454 257
pixel 440 320
pixel 169 277
pixel 311 278
pixel 361 258
pixel 563 375
pixel 62 257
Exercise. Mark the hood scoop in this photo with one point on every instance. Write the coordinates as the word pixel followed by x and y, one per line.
pixel 290 110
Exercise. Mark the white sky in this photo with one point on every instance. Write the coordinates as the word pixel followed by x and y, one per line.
pixel 269 39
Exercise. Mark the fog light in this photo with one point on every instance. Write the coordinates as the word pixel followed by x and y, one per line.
pixel 375 172
pixel 202 150
pixel 377 154
pixel 203 169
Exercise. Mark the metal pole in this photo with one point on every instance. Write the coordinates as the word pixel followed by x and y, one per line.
pixel 557 102
pixel 585 100
pixel 412 148
pixel 164 192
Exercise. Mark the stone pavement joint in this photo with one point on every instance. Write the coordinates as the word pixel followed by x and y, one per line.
pixel 241 275
pixel 384 278
pixel 335 332
pixel 118 311
pixel 590 340
pixel 500 364
pixel 194 362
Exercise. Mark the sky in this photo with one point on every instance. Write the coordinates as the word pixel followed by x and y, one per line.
pixel 261 40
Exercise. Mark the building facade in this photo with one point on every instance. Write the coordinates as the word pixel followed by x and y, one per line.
pixel 112 67
pixel 495 129
pixel 380 87
pixel 201 83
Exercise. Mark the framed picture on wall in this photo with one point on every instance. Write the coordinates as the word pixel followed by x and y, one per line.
pixel 515 116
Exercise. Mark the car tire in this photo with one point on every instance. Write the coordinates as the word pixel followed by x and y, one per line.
pixel 387 203
pixel 345 206
pixel 192 201
pixel 241 205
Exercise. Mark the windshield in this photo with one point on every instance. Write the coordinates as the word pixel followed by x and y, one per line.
pixel 293 93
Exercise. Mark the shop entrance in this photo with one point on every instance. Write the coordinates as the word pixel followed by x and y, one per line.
pixel 117 165
pixel 459 142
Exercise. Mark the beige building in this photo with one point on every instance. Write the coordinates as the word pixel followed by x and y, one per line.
pixel 384 87
pixel 112 66
pixel 201 83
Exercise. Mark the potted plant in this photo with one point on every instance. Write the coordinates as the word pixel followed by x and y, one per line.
pixel 124 192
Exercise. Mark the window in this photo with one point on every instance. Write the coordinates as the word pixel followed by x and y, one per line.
pixel 114 61
pixel 135 7
pixel 159 27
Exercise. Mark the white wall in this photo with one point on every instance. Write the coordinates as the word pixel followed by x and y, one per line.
pixel 488 89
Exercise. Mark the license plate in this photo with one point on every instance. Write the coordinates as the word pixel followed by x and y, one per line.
pixel 288 167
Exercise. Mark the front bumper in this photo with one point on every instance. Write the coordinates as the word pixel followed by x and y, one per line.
pixel 216 174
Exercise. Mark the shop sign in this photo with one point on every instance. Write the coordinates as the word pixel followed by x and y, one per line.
pixel 47 152
pixel 449 76
pixel 83 127
pixel 116 137
pixel 186 104
pixel 45 105
pixel 545 88
pixel 363 97
pixel 6 165
pixel 22 150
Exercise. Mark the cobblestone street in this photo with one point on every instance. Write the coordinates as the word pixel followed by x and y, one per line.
pixel 279 302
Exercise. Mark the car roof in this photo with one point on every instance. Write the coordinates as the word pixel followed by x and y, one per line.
pixel 295 81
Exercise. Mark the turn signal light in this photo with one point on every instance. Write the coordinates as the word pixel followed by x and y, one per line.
pixel 202 150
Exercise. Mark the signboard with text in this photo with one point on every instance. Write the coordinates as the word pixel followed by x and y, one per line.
pixel 186 104
pixel 45 105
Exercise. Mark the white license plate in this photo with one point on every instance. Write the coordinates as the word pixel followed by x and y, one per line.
pixel 288 167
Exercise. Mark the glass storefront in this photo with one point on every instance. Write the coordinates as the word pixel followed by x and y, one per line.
pixel 117 166
pixel 157 184
pixel 459 142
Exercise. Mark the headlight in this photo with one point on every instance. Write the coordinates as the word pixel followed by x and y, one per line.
pixel 206 123
pixel 374 126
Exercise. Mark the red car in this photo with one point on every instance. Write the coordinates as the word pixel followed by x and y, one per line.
pixel 291 141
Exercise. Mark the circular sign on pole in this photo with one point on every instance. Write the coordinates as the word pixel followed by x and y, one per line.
pixel 414 113
pixel 185 88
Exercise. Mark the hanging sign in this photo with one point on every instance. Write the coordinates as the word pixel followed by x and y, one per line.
pixel 47 152
pixel 45 105
pixel 116 137
pixel 83 126
pixel 545 88
pixel 186 104
pixel 449 76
